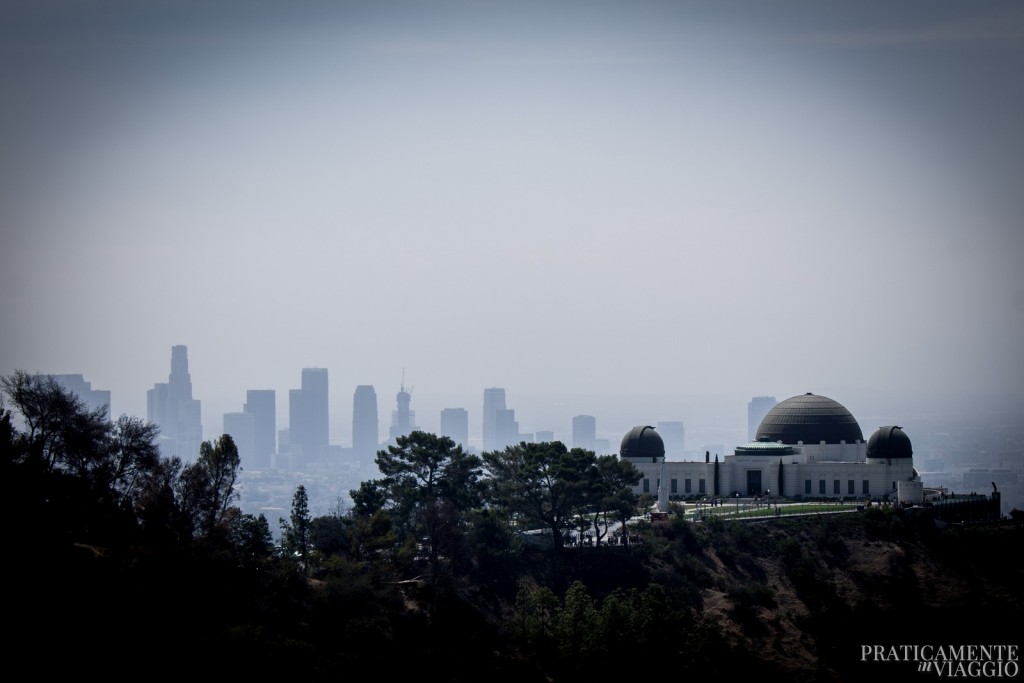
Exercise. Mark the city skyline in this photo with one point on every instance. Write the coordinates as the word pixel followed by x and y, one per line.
pixel 718 420
pixel 643 212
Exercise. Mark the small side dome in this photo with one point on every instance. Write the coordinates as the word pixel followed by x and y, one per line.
pixel 642 442
pixel 889 442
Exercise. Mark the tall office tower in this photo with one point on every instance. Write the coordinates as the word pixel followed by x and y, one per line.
pixel 94 399
pixel 494 400
pixel 543 436
pixel 282 459
pixel 308 430
pixel 584 432
pixel 455 425
pixel 674 436
pixel 403 420
pixel 365 426
pixel 506 429
pixel 241 427
pixel 756 410
pixel 296 427
pixel 262 405
pixel 171 407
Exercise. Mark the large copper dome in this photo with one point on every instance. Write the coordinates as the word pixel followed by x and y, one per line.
pixel 810 419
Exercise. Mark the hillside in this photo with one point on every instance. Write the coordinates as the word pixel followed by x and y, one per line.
pixel 784 597
pixel 804 595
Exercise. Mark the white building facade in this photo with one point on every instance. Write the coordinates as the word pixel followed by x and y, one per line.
pixel 807 446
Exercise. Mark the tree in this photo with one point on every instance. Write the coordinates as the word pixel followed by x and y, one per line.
pixel 223 463
pixel 295 530
pixel 133 455
pixel 77 459
pixel 611 490
pixel 62 465
pixel 330 534
pixel 159 506
pixel 251 536
pixel 714 489
pixel 61 432
pixel 430 483
pixel 577 626
pixel 536 612
pixel 8 449
pixel 371 497
pixel 206 488
pixel 542 483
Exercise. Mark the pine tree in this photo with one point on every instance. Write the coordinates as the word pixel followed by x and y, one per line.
pixel 295 533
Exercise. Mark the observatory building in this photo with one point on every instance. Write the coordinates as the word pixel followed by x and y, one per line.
pixel 807 446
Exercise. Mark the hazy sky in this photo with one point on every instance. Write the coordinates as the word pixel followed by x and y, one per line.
pixel 574 199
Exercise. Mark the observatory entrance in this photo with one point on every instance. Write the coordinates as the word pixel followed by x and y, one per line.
pixel 753 482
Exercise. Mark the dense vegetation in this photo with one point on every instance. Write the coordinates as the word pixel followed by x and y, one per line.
pixel 123 563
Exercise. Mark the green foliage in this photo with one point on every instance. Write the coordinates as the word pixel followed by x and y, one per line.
pixel 747 599
pixel 331 534
pixel 577 626
pixel 369 498
pixel 107 527
pixel 205 489
pixel 133 456
pixel 251 536
pixel 580 637
pixel 547 485
pixel 61 433
pixel 716 524
pixel 609 491
pixel 429 485
pixel 70 472
pixel 295 531
pixel 684 535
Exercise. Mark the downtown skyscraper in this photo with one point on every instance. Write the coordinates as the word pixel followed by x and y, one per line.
pixel 673 434
pixel 94 399
pixel 494 401
pixel 403 420
pixel 365 425
pixel 171 407
pixel 308 426
pixel 455 425
pixel 262 405
pixel 584 432
pixel 254 430
pixel 241 427
pixel 757 408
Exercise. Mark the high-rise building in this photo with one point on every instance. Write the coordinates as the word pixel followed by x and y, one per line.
pixel 756 410
pixel 455 425
pixel 308 427
pixel 494 400
pixel 674 435
pixel 262 405
pixel 403 420
pixel 543 436
pixel 584 432
pixel 365 426
pixel 241 427
pixel 506 429
pixel 283 457
pixel 171 407
pixel 94 399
